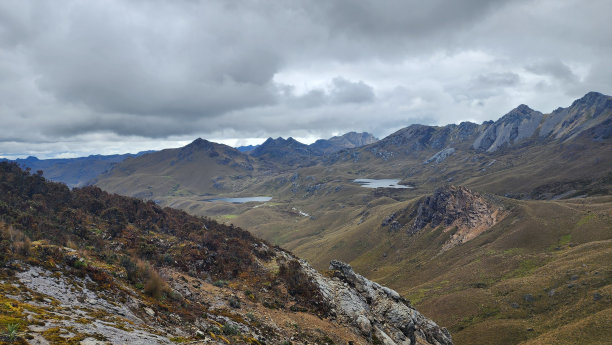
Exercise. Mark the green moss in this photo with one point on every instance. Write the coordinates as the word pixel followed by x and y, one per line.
pixel 417 296
pixel 60 336
pixel 526 267
pixel 585 219
pixel 565 240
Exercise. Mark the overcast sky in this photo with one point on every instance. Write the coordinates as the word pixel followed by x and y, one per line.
pixel 83 77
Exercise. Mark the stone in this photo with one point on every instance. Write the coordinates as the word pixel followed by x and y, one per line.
pixel 528 298
pixel 364 325
pixel 515 305
pixel 149 311
pixel 597 296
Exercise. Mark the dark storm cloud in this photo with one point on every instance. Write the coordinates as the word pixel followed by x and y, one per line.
pixel 399 17
pixel 171 70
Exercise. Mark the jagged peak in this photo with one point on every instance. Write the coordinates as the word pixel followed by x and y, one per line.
pixel 280 141
pixel 520 111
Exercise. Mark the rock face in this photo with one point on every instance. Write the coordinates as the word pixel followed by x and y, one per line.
pixel 456 207
pixel 440 156
pixel 377 312
pixel 518 124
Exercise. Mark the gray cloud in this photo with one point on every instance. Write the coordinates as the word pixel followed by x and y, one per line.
pixel 125 72
pixel 554 68
pixel 345 91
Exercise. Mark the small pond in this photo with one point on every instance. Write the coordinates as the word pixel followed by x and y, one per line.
pixel 241 200
pixel 380 183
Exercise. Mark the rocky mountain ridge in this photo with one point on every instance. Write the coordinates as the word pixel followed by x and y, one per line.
pixel 520 124
pixel 291 152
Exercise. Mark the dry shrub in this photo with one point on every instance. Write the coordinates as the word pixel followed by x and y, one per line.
pixel 23 247
pixel 20 242
pixel 70 244
pixel 155 285
pixel 302 287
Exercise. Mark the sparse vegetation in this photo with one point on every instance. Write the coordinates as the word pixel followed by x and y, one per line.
pixel 11 332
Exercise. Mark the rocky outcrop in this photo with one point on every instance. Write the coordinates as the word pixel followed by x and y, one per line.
pixel 377 312
pixel 440 156
pixel 466 213
pixel 518 124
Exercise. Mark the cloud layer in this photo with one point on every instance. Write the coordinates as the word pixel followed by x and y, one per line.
pixel 80 77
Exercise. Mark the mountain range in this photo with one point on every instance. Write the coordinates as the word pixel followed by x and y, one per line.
pixel 74 172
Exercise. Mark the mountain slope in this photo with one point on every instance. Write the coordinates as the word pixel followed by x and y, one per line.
pixel 199 168
pixel 114 269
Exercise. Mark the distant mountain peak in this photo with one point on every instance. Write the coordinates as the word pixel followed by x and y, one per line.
pixel 200 143
pixel 518 124
pixel 521 111
pixel 590 98
pixel 345 141
pixel 524 108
